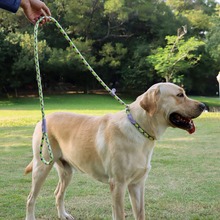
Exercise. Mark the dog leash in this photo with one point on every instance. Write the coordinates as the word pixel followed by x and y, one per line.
pixel 112 92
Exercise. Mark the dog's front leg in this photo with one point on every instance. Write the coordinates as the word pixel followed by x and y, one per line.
pixel 136 192
pixel 118 193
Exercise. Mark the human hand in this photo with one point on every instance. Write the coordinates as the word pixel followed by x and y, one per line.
pixel 34 9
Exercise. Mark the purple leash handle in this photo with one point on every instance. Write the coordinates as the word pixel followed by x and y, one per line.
pixel 44 125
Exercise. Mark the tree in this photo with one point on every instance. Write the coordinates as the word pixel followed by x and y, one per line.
pixel 7 51
pixel 197 12
pixel 199 21
pixel 213 40
pixel 23 68
pixel 176 57
pixel 115 36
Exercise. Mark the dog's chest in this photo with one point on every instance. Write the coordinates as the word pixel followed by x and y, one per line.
pixel 139 168
pixel 133 166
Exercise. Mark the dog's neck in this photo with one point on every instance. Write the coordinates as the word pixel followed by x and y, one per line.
pixel 137 125
pixel 154 125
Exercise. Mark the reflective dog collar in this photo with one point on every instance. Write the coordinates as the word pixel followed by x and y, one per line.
pixel 139 128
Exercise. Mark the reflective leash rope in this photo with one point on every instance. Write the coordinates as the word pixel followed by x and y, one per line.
pixel 41 98
pixel 111 92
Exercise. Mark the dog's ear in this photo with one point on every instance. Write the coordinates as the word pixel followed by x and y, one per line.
pixel 150 99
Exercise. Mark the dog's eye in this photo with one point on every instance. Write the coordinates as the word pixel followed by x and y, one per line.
pixel 181 95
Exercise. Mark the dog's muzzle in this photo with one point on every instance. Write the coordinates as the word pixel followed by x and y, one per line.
pixel 185 123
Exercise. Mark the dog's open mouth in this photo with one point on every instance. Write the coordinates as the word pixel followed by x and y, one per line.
pixel 179 121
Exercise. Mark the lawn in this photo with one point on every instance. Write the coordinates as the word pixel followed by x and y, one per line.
pixel 184 182
pixel 213 102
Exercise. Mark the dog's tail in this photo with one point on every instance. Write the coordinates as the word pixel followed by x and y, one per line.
pixel 29 168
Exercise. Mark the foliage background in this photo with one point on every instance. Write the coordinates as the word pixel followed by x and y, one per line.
pixel 118 38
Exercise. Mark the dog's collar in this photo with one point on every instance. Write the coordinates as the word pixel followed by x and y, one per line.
pixel 139 128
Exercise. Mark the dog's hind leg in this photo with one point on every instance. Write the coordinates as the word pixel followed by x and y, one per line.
pixel 65 174
pixel 39 174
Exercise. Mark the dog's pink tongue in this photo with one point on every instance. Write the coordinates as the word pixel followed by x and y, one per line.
pixel 192 127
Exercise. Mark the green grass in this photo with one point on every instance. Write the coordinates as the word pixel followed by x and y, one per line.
pixel 210 101
pixel 184 182
pixel 26 111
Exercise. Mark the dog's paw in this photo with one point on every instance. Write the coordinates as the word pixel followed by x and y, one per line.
pixel 66 216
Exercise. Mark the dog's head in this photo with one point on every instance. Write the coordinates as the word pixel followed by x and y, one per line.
pixel 170 101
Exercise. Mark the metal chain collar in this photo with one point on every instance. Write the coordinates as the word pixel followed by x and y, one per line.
pixel 111 92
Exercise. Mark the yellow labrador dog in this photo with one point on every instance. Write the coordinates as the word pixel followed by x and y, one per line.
pixel 115 148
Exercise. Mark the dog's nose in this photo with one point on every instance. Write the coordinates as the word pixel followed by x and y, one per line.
pixel 202 107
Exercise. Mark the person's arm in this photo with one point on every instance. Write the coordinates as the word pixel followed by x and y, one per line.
pixel 10 5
